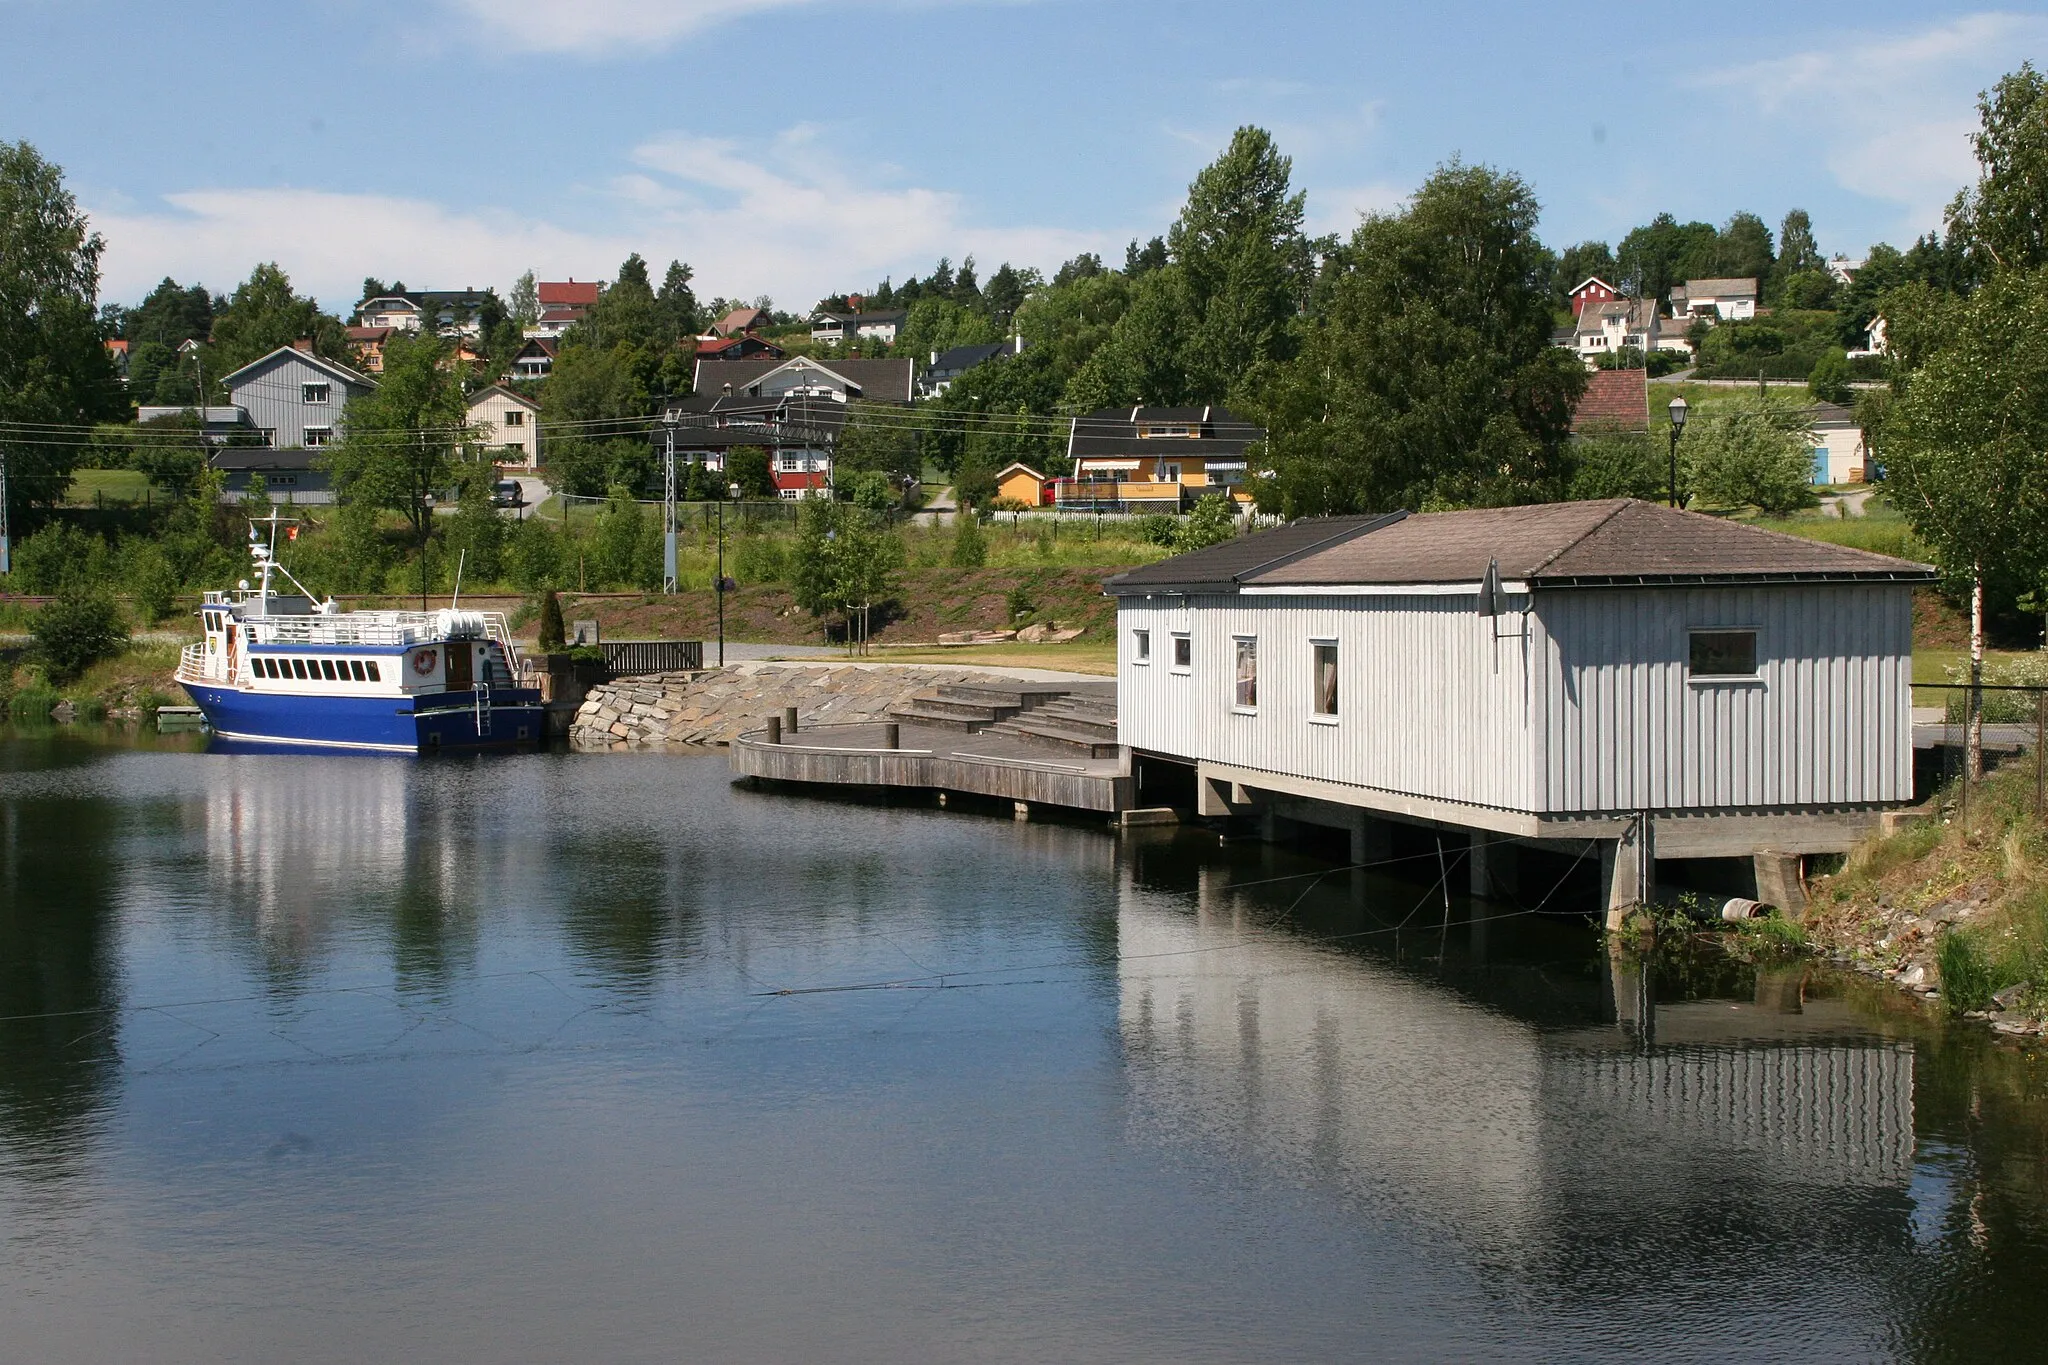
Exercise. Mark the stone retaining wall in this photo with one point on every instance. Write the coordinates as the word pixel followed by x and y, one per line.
pixel 716 705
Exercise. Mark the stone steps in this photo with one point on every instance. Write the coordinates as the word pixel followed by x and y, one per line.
pixel 1073 722
pixel 971 707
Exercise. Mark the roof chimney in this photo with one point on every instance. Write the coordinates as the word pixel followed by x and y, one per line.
pixel 303 344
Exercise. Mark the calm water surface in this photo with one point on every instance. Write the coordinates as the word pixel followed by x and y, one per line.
pixel 599 1058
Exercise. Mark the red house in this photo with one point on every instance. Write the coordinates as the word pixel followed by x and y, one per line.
pixel 1589 291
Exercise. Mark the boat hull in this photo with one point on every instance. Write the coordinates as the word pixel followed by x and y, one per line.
pixel 391 725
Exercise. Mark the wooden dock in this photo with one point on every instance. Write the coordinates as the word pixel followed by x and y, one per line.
pixel 940 760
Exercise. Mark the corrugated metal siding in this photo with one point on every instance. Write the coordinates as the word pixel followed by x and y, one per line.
pixel 273 399
pixel 1827 722
pixel 1595 712
pixel 1431 705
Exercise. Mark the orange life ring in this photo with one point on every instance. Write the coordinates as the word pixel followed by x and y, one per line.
pixel 423 662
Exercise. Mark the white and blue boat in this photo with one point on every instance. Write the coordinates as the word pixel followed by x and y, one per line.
pixel 284 669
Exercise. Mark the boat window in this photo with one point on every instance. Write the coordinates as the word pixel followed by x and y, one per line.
pixel 370 667
pixel 270 668
pixel 327 669
pixel 355 670
pixel 298 668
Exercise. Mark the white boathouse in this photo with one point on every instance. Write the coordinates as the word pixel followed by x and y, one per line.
pixel 1617 675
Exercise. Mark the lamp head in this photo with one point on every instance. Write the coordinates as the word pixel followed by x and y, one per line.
pixel 1678 414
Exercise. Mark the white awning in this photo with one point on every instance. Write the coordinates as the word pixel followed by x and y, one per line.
pixel 1087 463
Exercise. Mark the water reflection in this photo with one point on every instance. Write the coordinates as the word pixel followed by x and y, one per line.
pixel 59 968
pixel 1335 1062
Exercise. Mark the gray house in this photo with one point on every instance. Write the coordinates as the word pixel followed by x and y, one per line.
pixel 1611 678
pixel 295 398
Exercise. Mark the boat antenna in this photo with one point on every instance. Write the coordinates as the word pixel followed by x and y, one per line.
pixel 454 601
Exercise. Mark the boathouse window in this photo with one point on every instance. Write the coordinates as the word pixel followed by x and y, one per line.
pixel 1141 646
pixel 1326 677
pixel 1723 654
pixel 370 667
pixel 1245 673
pixel 1183 652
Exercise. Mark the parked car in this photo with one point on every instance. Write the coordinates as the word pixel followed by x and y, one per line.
pixel 505 493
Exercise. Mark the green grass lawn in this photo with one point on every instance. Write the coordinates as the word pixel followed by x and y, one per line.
pixel 92 486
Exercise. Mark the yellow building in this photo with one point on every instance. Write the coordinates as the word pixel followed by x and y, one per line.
pixel 1156 459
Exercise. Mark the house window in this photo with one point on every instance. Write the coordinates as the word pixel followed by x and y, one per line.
pixel 1326 677
pixel 1245 673
pixel 315 437
pixel 1723 654
pixel 269 435
pixel 515 418
pixel 313 393
pixel 1141 646
pixel 1183 652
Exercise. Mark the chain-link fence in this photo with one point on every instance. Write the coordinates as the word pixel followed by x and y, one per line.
pixel 2008 723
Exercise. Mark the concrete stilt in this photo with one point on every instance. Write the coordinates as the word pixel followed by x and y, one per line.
pixel 1496 865
pixel 1779 882
pixel 1372 840
pixel 1212 798
pixel 1628 872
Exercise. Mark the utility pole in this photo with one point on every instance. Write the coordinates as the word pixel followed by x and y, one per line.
pixel 668 504
pixel 6 545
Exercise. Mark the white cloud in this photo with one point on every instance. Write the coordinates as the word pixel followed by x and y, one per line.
pixel 784 219
pixel 327 243
pixel 1340 210
pixel 1889 116
pixel 590 27
pixel 593 28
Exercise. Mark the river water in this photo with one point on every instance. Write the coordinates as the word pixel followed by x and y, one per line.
pixel 570 1057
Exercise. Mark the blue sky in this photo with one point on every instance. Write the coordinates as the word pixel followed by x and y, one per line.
pixel 800 147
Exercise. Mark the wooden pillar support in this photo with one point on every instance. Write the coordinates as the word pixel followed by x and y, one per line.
pixel 1780 882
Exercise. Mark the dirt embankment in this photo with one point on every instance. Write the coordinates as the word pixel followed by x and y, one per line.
pixel 928 603
pixel 1953 909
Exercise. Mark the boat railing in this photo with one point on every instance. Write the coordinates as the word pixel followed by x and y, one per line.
pixel 192 663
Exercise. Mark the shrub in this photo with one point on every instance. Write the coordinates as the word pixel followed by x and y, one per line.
pixel 78 628
pixel 34 702
pixel 1018 601
pixel 761 559
pixel 1157 529
pixel 1967 979
pixel 152 584
pixel 552 632
pixel 970 547
pixel 1213 521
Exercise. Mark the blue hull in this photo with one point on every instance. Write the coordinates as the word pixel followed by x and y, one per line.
pixel 391 725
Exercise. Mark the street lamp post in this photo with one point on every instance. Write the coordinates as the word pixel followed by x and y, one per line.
pixel 1677 430
pixel 732 490
pixel 669 417
pixel 426 537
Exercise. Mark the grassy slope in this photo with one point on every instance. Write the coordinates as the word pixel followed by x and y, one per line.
pixel 1875 911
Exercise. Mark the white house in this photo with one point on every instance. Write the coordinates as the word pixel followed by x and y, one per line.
pixel 1837 439
pixel 879 326
pixel 1715 300
pixel 508 424
pixel 389 312
pixel 1613 675
pixel 1607 327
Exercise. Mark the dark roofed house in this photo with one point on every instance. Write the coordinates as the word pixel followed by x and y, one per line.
pixel 1155 459
pixel 292 475
pixel 1614 678
pixel 794 409
pixel 745 346
pixel 1615 400
pixel 947 366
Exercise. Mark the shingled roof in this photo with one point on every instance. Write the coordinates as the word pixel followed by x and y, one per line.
pixel 1617 541
pixel 1615 400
